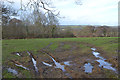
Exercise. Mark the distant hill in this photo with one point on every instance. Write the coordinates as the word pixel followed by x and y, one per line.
pixel 78 26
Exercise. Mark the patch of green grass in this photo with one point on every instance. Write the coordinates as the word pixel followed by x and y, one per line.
pixel 82 46
pixel 26 73
pixel 6 74
pixel 66 46
pixel 54 46
pixel 18 45
pixel 109 75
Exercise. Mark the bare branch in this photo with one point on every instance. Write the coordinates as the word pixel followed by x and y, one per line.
pixel 9 1
pixel 44 6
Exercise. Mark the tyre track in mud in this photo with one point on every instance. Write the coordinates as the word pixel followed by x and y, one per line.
pixel 90 45
pixel 63 55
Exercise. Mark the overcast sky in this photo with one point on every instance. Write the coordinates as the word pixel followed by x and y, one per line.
pixel 91 12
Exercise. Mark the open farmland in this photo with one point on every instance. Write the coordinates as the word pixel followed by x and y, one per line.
pixel 60 58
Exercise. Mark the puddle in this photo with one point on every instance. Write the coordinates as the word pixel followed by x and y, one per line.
pixel 12 71
pixel 34 61
pixel 96 54
pixel 21 66
pixel 105 65
pixel 93 49
pixel 58 65
pixel 62 67
pixel 18 54
pixel 102 61
pixel 88 68
pixel 28 53
pixel 67 63
pixel 47 64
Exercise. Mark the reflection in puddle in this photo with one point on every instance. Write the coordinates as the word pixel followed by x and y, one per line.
pixel 46 64
pixel 93 49
pixel 96 54
pixel 12 71
pixel 22 66
pixel 62 67
pixel 105 65
pixel 28 53
pixel 58 65
pixel 102 61
pixel 34 61
pixel 67 63
pixel 88 68
pixel 18 54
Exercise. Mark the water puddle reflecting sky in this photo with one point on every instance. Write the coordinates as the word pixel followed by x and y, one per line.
pixel 58 65
pixel 102 61
pixel 12 71
pixel 105 65
pixel 47 64
pixel 93 49
pixel 97 55
pixel 21 66
pixel 18 54
pixel 34 62
pixel 88 68
pixel 67 62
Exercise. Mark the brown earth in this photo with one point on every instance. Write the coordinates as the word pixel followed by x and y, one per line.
pixel 76 54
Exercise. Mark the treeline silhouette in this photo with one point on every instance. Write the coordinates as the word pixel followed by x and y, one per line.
pixel 16 29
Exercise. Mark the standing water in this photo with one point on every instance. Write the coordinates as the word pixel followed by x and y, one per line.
pixel 88 68
pixel 93 49
pixel 105 65
pixel 18 54
pixel 67 63
pixel 12 71
pixel 58 65
pixel 102 61
pixel 34 61
pixel 97 55
pixel 21 66
pixel 47 64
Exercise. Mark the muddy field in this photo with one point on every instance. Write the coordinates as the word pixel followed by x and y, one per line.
pixel 70 59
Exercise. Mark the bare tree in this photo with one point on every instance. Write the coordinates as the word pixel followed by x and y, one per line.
pixel 39 19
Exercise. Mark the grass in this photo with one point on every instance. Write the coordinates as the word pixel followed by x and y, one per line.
pixel 18 45
pixel 82 46
pixel 108 44
pixel 66 46
pixel 54 46
pixel 8 75
pixel 26 74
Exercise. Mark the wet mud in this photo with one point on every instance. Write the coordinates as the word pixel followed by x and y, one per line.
pixel 73 62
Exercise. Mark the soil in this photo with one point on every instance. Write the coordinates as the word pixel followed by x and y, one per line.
pixel 75 54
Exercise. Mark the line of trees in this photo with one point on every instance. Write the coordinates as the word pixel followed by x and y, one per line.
pixel 100 31
pixel 35 25
pixel 19 30
pixel 37 21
